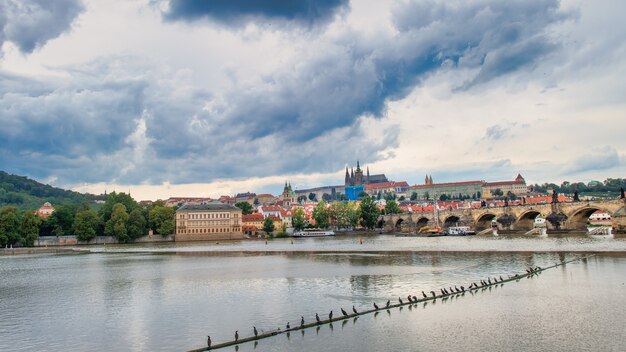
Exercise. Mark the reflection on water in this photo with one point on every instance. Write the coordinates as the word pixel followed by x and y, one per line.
pixel 139 302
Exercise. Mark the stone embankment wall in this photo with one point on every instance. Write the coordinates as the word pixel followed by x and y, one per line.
pixel 51 241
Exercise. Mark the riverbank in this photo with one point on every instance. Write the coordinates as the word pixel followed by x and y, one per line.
pixel 37 250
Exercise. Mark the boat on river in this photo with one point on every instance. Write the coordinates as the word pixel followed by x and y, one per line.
pixel 428 231
pixel 313 233
pixel 460 231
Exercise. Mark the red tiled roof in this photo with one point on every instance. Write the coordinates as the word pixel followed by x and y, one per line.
pixel 252 217
pixel 448 184
pixel 386 185
pixel 257 217
pixel 503 183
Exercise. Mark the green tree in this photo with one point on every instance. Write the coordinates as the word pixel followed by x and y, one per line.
pixel 245 207
pixel 114 198
pixel 369 213
pixel 414 196
pixel 256 201
pixel 162 220
pixel 136 224
pixel 343 214
pixel 9 226
pixel 392 207
pixel 29 229
pixel 268 225
pixel 298 221
pixel 116 226
pixel 443 197
pixel 320 215
pixel 511 195
pixel 426 195
pixel 338 215
pixel 86 225
pixel 311 196
pixel 390 196
pixel 302 199
pixel 498 192
pixel 62 220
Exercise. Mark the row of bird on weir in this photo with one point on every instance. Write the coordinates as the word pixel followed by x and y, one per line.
pixel 411 299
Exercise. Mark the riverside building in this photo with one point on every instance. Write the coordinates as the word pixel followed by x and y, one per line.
pixel 205 222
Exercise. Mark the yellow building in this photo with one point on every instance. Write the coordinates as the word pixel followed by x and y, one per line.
pixel 204 222
pixel 253 223
pixel 517 187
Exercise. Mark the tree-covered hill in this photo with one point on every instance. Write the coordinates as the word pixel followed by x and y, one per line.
pixel 25 193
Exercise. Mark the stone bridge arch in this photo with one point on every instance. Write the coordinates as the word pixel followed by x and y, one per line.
pixel 526 221
pixel 421 222
pixel 578 218
pixel 451 220
pixel 397 226
pixel 484 221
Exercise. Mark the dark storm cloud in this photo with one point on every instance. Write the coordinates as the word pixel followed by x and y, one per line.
pixel 237 12
pixel 496 37
pixel 29 24
pixel 351 76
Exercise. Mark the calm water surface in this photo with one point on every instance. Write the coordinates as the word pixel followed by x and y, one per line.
pixel 168 298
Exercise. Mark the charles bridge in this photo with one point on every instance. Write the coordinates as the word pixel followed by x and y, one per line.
pixel 571 216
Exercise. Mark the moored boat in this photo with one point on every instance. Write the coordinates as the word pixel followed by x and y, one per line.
pixel 313 233
pixel 459 231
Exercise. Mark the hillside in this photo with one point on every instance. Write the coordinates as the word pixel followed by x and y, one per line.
pixel 25 193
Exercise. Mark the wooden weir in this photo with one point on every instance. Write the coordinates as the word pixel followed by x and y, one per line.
pixel 342 317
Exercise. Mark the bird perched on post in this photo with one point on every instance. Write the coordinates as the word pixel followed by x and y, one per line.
pixel 433 293
pixel 288 326
pixel 424 295
pixel 236 335
pixel 400 300
pixel 256 333
pixel 317 318
pixel 330 315
pixel 375 306
pixel 354 310
pixel 343 311
pixel 301 321
pixel 388 303
pixel 208 341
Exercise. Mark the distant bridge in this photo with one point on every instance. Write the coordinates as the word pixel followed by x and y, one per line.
pixel 576 215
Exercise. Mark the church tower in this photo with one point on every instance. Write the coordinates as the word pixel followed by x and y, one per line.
pixel 358 175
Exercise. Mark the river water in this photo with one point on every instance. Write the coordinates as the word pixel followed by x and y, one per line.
pixel 169 297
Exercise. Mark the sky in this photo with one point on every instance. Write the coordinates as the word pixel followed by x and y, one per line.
pixel 204 98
